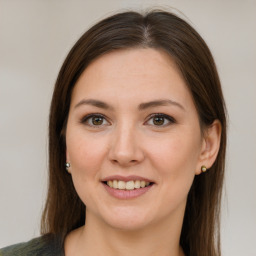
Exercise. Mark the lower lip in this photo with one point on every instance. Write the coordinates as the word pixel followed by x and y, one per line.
pixel 126 194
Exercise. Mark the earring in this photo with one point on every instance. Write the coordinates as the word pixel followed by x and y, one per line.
pixel 67 167
pixel 203 168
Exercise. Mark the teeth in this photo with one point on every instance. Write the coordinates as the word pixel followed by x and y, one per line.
pixel 143 184
pixel 137 184
pixel 115 185
pixel 121 184
pixel 129 185
pixel 110 183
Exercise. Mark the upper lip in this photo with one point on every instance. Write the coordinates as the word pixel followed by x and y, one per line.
pixel 126 178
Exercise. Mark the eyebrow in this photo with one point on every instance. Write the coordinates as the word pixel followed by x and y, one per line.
pixel 161 102
pixel 142 106
pixel 96 103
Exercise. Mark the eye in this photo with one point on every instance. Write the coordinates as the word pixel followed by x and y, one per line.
pixel 95 120
pixel 160 120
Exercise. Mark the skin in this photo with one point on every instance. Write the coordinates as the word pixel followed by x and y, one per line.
pixel 129 141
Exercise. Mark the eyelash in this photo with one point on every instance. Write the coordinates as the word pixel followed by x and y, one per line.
pixel 170 119
pixel 86 118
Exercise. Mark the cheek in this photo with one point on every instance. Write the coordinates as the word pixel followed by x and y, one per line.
pixel 176 154
pixel 85 153
pixel 175 160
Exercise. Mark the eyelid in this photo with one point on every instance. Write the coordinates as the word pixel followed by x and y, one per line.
pixel 169 118
pixel 85 119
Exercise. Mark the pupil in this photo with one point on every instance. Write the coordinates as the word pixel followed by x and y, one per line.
pixel 97 120
pixel 158 120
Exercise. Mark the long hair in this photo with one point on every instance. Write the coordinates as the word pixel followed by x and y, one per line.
pixel 64 211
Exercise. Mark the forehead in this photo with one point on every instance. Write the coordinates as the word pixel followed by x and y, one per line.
pixel 131 63
pixel 132 73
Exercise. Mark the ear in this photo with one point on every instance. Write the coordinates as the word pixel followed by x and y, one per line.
pixel 210 146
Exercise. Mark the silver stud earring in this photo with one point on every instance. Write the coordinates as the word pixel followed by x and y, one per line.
pixel 67 167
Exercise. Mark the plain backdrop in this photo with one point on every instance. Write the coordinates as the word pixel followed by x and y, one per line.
pixel 36 35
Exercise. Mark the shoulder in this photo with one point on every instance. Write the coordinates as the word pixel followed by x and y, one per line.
pixel 47 245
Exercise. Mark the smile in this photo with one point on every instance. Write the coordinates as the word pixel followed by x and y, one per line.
pixel 129 185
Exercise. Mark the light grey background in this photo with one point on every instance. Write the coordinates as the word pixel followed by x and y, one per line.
pixel 35 37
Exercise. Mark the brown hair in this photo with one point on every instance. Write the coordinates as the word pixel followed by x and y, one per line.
pixel 64 211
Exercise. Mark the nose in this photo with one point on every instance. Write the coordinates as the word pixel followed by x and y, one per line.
pixel 125 147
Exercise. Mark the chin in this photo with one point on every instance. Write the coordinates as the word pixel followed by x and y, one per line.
pixel 127 220
pixel 127 225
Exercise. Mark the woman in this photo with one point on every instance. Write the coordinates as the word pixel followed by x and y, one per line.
pixel 137 139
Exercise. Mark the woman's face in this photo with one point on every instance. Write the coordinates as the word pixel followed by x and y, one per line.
pixel 132 122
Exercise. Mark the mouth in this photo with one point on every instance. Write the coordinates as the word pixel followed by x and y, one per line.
pixel 128 185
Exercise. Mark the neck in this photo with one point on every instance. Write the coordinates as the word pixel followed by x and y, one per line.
pixel 97 237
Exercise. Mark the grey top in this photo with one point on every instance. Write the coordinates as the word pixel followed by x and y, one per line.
pixel 47 245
